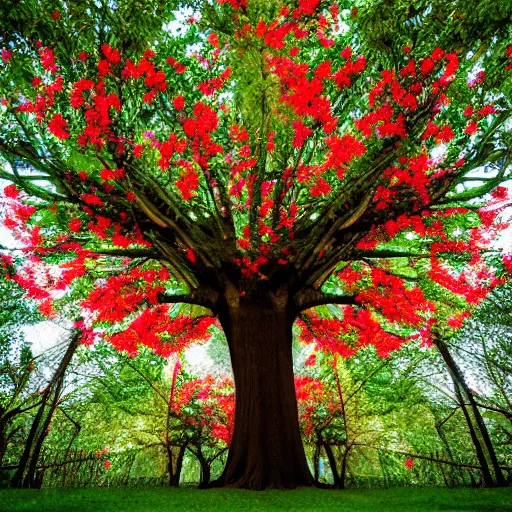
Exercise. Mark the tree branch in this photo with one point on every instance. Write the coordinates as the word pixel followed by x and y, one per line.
pixel 310 298
pixel 390 254
pixel 205 298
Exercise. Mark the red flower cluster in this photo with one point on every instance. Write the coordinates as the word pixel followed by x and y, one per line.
pixel 58 127
pixel 188 182
pixel 397 303
pixel 207 407
pixel 236 4
pixel 155 329
pixel 122 295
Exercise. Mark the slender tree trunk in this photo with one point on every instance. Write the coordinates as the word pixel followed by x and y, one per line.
pixel 3 441
pixel 334 467
pixel 204 466
pixel 17 479
pixel 486 473
pixel 459 380
pixel 36 438
pixel 33 478
pixel 175 470
pixel 179 465
pixel 449 452
pixel 266 450
pixel 316 461
pixel 205 475
pixel 343 470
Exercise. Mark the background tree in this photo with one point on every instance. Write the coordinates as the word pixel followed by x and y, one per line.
pixel 16 362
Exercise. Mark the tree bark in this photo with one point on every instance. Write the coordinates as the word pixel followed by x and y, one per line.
pixel 266 450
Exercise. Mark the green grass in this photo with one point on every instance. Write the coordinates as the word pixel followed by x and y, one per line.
pixel 185 500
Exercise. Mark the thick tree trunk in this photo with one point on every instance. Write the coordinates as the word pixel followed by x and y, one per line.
pixel 266 450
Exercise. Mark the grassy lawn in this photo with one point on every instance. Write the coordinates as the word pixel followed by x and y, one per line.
pixel 160 500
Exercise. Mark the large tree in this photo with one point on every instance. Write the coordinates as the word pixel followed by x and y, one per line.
pixel 257 164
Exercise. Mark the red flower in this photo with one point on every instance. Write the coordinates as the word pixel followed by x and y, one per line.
pixel 409 463
pixel 188 183
pixel 468 111
pixel 213 39
pixel 75 225
pixel 11 191
pixel 47 59
pixel 322 188
pixel 311 360
pixel 59 127
pixel 92 199
pixel 46 308
pixel 137 150
pixel 427 66
pixel 346 53
pixel 121 241
pixel 191 256
pixel 437 54
pixel 77 92
pixel 56 15
pixel 179 102
pixel 107 174
pixel 111 55
pixel 500 193
pixel 6 55
pixel 471 128
pixel 302 132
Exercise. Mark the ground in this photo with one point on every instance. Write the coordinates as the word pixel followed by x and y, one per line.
pixel 191 500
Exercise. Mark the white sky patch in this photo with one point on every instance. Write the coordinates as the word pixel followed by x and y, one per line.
pixel 180 24
pixel 199 362
pixel 43 336
pixel 7 240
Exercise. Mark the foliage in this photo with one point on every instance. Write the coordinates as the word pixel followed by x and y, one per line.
pixel 164 156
